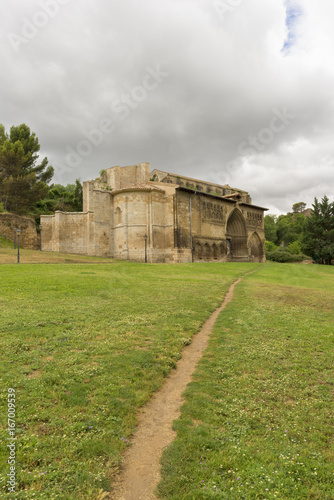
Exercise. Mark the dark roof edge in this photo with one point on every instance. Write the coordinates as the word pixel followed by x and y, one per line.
pixel 133 188
pixel 199 180
pixel 195 191
pixel 253 206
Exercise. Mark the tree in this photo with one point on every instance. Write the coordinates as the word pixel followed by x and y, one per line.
pixel 64 198
pixel 299 207
pixel 270 246
pixel 290 227
pixel 78 196
pixel 270 229
pixel 23 180
pixel 295 248
pixel 318 241
pixel 283 229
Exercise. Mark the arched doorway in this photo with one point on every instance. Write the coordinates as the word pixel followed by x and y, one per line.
pixel 256 247
pixel 222 251
pixel 198 254
pixel 207 252
pixel 236 233
pixel 215 251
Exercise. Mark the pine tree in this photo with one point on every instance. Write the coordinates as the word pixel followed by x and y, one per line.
pixel 23 180
pixel 299 207
pixel 318 241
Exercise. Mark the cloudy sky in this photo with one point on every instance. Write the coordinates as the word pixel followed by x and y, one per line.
pixel 236 92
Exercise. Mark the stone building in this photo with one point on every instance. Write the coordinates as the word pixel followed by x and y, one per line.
pixel 132 214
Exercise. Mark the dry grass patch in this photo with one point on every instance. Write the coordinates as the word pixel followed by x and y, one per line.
pixel 9 256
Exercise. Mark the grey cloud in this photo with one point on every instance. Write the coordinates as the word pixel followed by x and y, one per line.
pixel 225 78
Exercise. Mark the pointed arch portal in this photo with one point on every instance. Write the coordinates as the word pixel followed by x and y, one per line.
pixel 236 235
pixel 198 252
pixel 256 248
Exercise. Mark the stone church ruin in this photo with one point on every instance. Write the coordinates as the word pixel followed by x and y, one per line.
pixel 132 214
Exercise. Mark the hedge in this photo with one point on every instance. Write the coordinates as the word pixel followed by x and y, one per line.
pixel 281 256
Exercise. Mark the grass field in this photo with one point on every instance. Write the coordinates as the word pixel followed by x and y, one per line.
pixel 86 341
pixel 84 346
pixel 9 256
pixel 258 418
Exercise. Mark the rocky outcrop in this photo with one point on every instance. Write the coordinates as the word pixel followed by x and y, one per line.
pixel 29 238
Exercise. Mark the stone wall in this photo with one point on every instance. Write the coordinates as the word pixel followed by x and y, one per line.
pixel 49 240
pixel 220 229
pixel 68 232
pixel 126 212
pixel 123 177
pixel 205 225
pixel 29 238
pixel 139 213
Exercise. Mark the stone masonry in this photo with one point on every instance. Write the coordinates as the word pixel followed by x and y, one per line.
pixel 132 214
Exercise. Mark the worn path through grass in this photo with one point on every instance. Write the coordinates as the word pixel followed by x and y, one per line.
pixel 85 346
pixel 140 473
pixel 258 418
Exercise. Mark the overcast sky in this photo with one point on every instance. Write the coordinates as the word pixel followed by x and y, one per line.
pixel 236 92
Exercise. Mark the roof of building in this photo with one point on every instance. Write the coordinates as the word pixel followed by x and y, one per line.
pixel 195 191
pixel 139 187
pixel 253 206
pixel 226 186
pixel 233 195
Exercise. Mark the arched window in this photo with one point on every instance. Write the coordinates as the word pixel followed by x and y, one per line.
pixel 118 216
pixel 215 251
pixel 222 250
pixel 198 251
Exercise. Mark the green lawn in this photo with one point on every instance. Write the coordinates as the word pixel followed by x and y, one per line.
pixel 84 346
pixel 258 418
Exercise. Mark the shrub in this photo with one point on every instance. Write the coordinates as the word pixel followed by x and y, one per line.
pixel 270 246
pixel 284 256
pixel 295 248
pixel 281 249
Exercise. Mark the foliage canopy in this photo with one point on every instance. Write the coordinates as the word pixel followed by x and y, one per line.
pixel 23 180
pixel 318 238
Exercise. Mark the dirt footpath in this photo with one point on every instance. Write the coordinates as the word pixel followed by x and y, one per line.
pixel 141 465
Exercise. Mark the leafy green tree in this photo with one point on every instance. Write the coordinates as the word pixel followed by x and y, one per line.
pixel 296 227
pixel 318 241
pixel 78 196
pixel 283 229
pixel 290 228
pixel 295 248
pixel 299 207
pixel 23 180
pixel 270 228
pixel 270 246
pixel 64 198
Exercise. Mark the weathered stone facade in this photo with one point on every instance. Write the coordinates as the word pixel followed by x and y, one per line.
pixel 132 214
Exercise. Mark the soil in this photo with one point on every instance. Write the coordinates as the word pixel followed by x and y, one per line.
pixel 140 473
